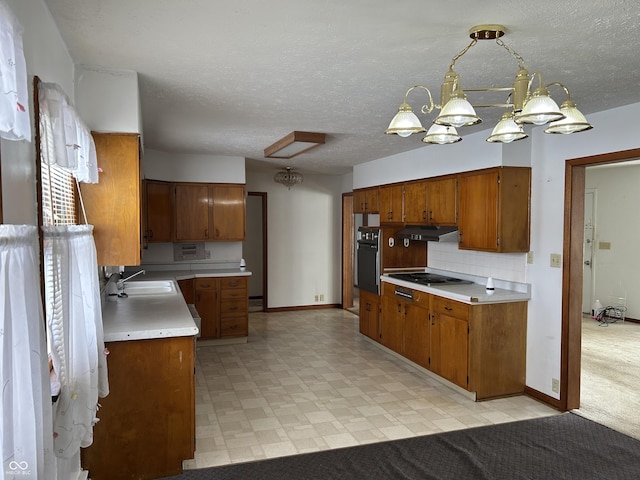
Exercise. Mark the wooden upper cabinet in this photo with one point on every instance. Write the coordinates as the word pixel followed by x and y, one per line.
pixel 441 201
pixel 209 212
pixel 391 204
pixel 113 205
pixel 158 211
pixel 365 200
pixel 415 203
pixel 229 212
pixel 494 209
pixel 191 212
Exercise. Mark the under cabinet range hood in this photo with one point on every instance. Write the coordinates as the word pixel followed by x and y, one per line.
pixel 429 233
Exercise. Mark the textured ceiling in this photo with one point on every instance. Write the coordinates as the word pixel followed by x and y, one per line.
pixel 233 77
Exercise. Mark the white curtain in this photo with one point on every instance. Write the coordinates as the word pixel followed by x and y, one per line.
pixel 14 98
pixel 65 139
pixel 76 342
pixel 25 432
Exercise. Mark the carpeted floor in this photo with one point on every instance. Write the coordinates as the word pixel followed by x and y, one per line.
pixel 610 375
pixel 564 446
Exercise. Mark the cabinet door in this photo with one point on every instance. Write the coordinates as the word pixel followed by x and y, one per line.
pixel 449 348
pixel 391 204
pixel 228 212
pixel 478 211
pixel 415 203
pixel 441 201
pixel 158 211
pixel 186 288
pixel 359 201
pixel 371 201
pixel 369 314
pixel 206 303
pixel 113 205
pixel 391 322
pixel 416 334
pixel 191 212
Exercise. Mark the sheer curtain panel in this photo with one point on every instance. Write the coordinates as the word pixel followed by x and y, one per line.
pixel 65 140
pixel 25 432
pixel 14 104
pixel 76 341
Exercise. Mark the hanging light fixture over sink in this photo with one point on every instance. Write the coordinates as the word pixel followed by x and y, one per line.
pixel 522 106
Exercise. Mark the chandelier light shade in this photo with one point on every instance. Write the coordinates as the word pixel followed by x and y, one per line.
pixel 458 112
pixel 441 135
pixel 507 130
pixel 294 144
pixel 288 177
pixel 540 109
pixel 572 122
pixel 522 105
pixel 405 122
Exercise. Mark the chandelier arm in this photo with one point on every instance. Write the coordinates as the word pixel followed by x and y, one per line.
pixel 561 85
pixel 462 52
pixel 425 108
pixel 513 53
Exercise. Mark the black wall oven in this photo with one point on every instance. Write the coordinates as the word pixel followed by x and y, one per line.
pixel 368 259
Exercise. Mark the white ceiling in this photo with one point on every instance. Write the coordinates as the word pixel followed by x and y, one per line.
pixel 232 77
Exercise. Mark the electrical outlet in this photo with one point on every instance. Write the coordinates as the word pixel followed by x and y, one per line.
pixel 556 260
pixel 322 297
pixel 316 298
pixel 555 385
pixel 529 257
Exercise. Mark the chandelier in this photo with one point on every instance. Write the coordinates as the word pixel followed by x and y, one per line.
pixel 521 106
pixel 288 177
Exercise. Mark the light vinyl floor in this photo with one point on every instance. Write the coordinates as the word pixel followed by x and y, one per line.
pixel 308 381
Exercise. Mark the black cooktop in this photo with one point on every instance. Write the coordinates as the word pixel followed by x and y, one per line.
pixel 428 279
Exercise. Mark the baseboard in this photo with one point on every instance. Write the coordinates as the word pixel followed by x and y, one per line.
pixel 302 307
pixel 543 397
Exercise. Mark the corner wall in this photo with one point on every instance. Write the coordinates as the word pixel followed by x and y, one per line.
pixel 304 239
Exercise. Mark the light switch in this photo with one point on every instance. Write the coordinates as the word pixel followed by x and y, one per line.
pixel 604 245
pixel 556 260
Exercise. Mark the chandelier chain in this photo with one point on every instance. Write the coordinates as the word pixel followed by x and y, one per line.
pixel 513 53
pixel 464 50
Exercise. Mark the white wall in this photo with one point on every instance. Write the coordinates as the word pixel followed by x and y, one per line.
pixel 616 221
pixel 614 130
pixel 48 58
pixel 304 239
pixel 184 167
pixel 108 100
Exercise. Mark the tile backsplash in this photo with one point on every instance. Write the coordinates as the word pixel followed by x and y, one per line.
pixel 505 266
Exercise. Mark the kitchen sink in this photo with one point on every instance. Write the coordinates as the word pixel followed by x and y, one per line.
pixel 150 287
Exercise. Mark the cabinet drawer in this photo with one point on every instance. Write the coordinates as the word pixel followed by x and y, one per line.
pixel 233 293
pixel 205 283
pixel 233 307
pixel 421 298
pixel 451 308
pixel 233 282
pixel 234 326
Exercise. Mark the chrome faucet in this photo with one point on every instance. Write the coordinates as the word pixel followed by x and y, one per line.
pixel 120 283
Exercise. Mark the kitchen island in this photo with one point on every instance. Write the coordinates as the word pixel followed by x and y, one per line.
pixel 471 338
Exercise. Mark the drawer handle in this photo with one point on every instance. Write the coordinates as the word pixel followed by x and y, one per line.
pixel 448 309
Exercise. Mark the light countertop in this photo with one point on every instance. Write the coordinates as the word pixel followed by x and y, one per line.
pixel 155 316
pixel 474 293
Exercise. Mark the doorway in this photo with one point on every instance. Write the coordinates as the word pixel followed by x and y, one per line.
pixel 254 250
pixel 572 274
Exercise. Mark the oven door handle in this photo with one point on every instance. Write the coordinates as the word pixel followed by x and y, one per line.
pixel 404 295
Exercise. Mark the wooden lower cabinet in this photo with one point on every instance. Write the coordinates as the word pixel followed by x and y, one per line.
pixel 369 312
pixel 223 306
pixel 481 347
pixel 147 422
pixel 404 326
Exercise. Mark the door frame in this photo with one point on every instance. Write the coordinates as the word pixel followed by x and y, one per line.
pixel 348 245
pixel 263 195
pixel 571 343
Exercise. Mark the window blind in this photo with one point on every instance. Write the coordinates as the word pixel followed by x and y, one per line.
pixel 58 196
